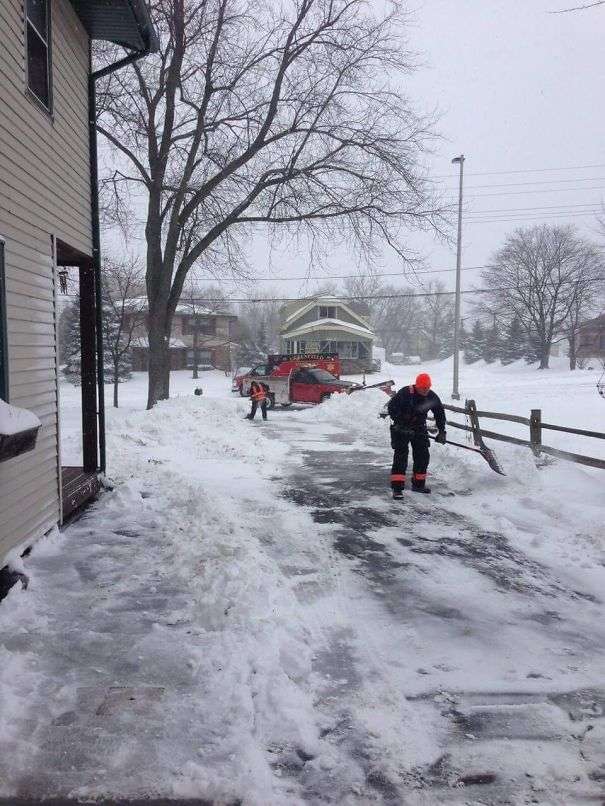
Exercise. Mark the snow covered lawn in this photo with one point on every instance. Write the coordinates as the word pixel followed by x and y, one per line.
pixel 249 618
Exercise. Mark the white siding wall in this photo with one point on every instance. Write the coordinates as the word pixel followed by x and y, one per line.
pixel 44 192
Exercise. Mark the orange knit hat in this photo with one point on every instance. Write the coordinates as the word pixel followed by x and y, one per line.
pixel 423 381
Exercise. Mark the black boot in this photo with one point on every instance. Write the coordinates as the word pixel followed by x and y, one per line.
pixel 420 487
pixel 397 494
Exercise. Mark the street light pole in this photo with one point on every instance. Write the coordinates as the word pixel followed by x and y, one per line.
pixel 455 392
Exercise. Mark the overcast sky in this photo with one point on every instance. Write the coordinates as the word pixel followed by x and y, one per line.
pixel 519 90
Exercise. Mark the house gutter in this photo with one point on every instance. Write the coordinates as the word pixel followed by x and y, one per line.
pixel 151 47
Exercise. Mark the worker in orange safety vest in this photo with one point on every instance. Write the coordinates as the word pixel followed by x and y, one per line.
pixel 258 396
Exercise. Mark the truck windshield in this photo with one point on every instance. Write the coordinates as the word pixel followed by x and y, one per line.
pixel 323 376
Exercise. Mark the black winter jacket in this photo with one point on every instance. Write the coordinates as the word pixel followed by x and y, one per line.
pixel 408 409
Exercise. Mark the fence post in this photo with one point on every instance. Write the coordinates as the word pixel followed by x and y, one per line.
pixel 535 431
pixel 471 411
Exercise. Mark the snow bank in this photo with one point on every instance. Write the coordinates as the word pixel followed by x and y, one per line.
pixel 14 420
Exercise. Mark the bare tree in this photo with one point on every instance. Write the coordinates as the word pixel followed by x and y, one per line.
pixel 123 314
pixel 436 316
pixel 262 113
pixel 363 286
pixel 395 320
pixel 541 275
pixel 259 324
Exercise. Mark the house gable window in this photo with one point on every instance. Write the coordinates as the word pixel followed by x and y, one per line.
pixel 3 337
pixel 327 312
pixel 37 35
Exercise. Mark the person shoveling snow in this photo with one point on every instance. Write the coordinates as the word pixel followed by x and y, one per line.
pixel 408 409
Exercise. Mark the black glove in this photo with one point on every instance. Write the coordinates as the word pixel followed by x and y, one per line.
pixel 441 437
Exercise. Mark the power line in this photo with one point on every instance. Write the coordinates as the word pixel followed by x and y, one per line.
pixel 520 171
pixel 521 219
pixel 572 207
pixel 532 192
pixel 356 297
pixel 362 297
pixel 305 278
pixel 542 182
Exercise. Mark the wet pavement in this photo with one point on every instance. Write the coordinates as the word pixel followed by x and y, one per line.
pixel 390 546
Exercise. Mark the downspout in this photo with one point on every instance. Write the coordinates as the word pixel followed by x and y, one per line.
pixel 96 228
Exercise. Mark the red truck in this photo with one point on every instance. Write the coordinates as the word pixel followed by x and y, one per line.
pixel 302 378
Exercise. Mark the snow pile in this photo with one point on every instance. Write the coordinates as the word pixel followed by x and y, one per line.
pixel 185 431
pixel 13 420
pixel 192 521
pixel 359 410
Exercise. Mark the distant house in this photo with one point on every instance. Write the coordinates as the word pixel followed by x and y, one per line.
pixel 326 324
pixel 49 222
pixel 591 341
pixel 211 334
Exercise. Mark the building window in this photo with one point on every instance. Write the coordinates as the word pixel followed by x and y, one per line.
pixel 204 358
pixel 37 33
pixel 205 326
pixel 3 338
pixel 327 312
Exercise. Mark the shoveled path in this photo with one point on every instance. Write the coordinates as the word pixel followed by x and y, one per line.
pixel 465 633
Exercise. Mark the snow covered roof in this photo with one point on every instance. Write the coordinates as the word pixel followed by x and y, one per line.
pixel 143 341
pixel 141 303
pixel 327 324
pixel 598 320
pixel 13 420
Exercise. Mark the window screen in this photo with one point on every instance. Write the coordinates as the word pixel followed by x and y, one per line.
pixel 37 25
pixel 3 342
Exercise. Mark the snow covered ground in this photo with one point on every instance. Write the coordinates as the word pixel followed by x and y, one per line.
pixel 249 618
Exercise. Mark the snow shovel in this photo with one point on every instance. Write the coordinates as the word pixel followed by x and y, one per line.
pixel 386 386
pixel 487 453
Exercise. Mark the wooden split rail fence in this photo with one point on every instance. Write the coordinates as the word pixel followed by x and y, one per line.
pixel 536 427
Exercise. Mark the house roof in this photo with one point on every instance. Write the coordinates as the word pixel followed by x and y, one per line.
pixel 182 308
pixel 598 320
pixel 291 313
pixel 124 22
pixel 330 324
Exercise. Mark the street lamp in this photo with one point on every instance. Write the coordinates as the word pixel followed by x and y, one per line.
pixel 455 392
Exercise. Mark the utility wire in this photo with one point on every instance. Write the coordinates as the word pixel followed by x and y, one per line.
pixel 518 171
pixel 541 182
pixel 338 276
pixel 354 298
pixel 536 208
pixel 361 297
pixel 529 192
pixel 532 218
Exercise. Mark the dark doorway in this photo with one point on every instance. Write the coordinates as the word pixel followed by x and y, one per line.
pixel 79 469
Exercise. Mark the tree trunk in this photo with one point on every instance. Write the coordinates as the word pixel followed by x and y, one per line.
pixel 159 364
pixel 573 355
pixel 544 356
pixel 115 384
pixel 196 336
